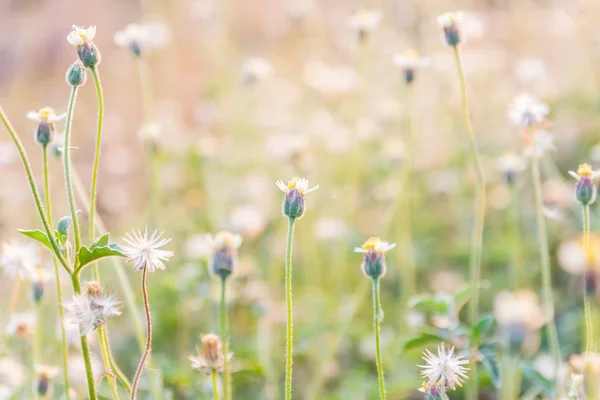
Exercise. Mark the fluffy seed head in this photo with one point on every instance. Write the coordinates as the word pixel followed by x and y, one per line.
pixel 444 369
pixel 144 251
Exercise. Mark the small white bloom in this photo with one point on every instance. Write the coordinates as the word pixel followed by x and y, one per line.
pixel 449 19
pixel 584 170
pixel 19 257
pixel 12 373
pixel 300 184
pixel 90 310
pixel 46 114
pixel 376 244
pixel 526 110
pixel 365 20
pixel 145 250
pixel 444 369
pixel 20 324
pixel 79 36
pixel 543 142
pixel 410 59
pixel 224 239
pixel 143 37
pixel 255 69
pixel 511 163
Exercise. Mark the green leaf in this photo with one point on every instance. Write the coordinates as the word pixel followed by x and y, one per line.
pixel 99 249
pixel 426 302
pixel 492 365
pixel 538 379
pixel 63 228
pixel 39 236
pixel 420 341
pixel 462 296
pixel 481 327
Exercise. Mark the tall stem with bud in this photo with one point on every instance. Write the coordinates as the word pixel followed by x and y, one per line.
pixel 376 326
pixel 288 303
pixel 224 326
pixel 148 348
pixel 92 210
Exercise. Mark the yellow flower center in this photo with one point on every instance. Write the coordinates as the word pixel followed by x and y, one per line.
pixel 292 182
pixel 411 54
pixel 45 113
pixel 83 35
pixel 585 170
pixel 371 243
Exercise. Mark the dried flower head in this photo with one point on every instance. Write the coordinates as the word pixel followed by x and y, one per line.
pixel 210 358
pixel 585 191
pixel 19 257
pixel 82 39
pixel 294 203
pixel 90 309
pixel 144 250
pixel 450 23
pixel 410 61
pixel 20 325
pixel 374 249
pixel 142 37
pixel 224 246
pixel 527 110
pixel 364 22
pixel 444 369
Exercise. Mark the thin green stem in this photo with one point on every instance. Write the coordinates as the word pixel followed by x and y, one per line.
pixel 110 378
pixel 67 167
pixel 36 347
pixel 515 262
pixel 34 190
pixel 148 348
pixel 478 222
pixel 215 386
pixel 92 208
pixel 589 322
pixel 545 261
pixel 288 301
pixel 61 311
pixel 377 328
pixel 115 368
pixel 85 348
pixel 227 389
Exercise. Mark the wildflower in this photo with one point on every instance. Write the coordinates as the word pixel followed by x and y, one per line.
pixel 511 164
pixel 87 51
pixel 90 309
pixel 46 119
pixel 45 374
pixel 410 61
pixel 527 110
pixel 224 247
pixel 294 202
pixel 255 69
pixel 364 22
pixel 76 74
pixel 18 257
pixel 145 250
pixel 520 316
pixel 576 389
pixel 142 37
pixel 450 23
pixel 444 369
pixel 543 142
pixel 374 261
pixel 20 325
pixel 211 357
pixel 585 192
pixel 150 132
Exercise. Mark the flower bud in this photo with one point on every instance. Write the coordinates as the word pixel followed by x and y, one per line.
pixel 585 191
pixel 89 54
pixel 37 291
pixel 449 23
pixel 224 253
pixel 515 335
pixel 44 134
pixel 409 76
pixel 42 385
pixel 76 75
pixel 211 348
pixel 374 264
pixel 293 204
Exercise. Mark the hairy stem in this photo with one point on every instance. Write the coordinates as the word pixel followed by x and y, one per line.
pixel 376 327
pixel 227 389
pixel 148 348
pixel 92 208
pixel 589 322
pixel 67 167
pixel 288 301
pixel 115 368
pixel 110 377
pixel 215 386
pixel 85 349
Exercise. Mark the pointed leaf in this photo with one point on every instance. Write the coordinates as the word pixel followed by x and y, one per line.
pixel 420 341
pixel 101 242
pixel 39 236
pixel 95 252
pixel 492 365
pixel 63 225
pixel 436 304
pixel 482 327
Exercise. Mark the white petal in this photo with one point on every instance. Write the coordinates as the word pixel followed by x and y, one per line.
pixel 282 186
pixel 360 250
pixel 311 189
pixel 34 116
pixel 575 175
pixel 91 33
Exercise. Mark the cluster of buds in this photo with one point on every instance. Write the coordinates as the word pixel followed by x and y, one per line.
pixel 450 24
pixel 224 248
pixel 46 119
pixel 91 308
pixel 87 51
pixel 210 358
pixel 585 191
pixel 373 264
pixel 294 203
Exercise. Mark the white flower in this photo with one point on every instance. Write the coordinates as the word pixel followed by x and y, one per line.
pixel 410 59
pixel 521 307
pixel 91 309
pixel 145 251
pixel 255 69
pixel 543 142
pixel 20 324
pixel 450 19
pixel 376 244
pixel 584 170
pixel 79 36
pixel 19 257
pixel 224 239
pixel 527 110
pixel 511 163
pixel 46 114
pixel 143 37
pixel 300 184
pixel 12 373
pixel 365 20
pixel 444 369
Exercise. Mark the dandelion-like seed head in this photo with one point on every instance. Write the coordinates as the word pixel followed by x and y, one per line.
pixel 90 309
pixel 444 369
pixel 18 257
pixel 143 251
pixel 527 110
pixel 374 249
pixel 210 358
pixel 294 203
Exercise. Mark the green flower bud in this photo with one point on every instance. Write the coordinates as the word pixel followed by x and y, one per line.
pixel 585 192
pixel 89 54
pixel 449 23
pixel 76 75
pixel 293 204
pixel 224 253
pixel 373 264
pixel 44 134
pixel 37 291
